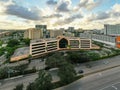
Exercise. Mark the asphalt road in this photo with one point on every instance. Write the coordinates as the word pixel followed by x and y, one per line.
pixel 106 80
pixel 11 83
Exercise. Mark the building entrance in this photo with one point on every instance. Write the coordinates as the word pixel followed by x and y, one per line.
pixel 63 43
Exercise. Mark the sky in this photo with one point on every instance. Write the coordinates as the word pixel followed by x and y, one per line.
pixel 86 14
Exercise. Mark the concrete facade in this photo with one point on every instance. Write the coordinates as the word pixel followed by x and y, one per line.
pixel 55 33
pixel 109 40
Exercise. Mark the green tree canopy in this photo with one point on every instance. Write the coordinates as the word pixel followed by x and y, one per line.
pixel 26 41
pixel 56 60
pixel 66 73
pixel 12 43
pixel 43 82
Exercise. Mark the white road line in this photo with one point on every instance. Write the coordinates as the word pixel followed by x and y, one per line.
pixel 110 86
pixel 115 87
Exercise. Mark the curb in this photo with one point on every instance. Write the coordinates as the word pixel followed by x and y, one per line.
pixel 13 78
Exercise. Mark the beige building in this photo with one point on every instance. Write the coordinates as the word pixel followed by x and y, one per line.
pixel 55 33
pixel 33 33
pixel 42 46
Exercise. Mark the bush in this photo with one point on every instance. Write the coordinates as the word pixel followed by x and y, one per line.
pixel 77 57
pixel 3 73
pixel 33 70
pixel 19 87
pixel 12 43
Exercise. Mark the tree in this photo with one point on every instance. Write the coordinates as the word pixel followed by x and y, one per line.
pixel 66 73
pixel 3 72
pixel 1 42
pixel 19 87
pixel 30 86
pixel 26 41
pixel 10 51
pixel 56 60
pixel 43 82
pixel 2 51
pixel 13 43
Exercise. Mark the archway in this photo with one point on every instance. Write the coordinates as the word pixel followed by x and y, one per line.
pixel 63 43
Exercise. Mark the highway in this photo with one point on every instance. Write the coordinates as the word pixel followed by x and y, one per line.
pixel 106 80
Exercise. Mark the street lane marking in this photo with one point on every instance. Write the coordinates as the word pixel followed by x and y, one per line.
pixel 115 87
pixel 112 85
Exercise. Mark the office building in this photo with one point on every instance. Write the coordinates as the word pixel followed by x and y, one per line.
pixel 46 33
pixel 55 33
pixel 32 33
pixel 71 29
pixel 113 30
pixel 113 41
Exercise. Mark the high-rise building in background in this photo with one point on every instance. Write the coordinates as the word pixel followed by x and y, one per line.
pixel 113 30
pixel 71 29
pixel 40 31
pixel 46 33
pixel 32 33
pixel 55 33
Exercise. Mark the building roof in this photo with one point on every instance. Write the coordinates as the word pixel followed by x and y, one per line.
pixel 21 51
pixel 51 39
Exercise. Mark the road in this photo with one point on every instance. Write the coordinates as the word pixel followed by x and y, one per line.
pixel 11 83
pixel 106 80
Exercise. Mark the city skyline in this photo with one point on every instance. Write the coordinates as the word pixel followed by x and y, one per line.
pixel 86 14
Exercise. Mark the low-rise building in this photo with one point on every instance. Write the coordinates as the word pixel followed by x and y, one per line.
pixel 42 46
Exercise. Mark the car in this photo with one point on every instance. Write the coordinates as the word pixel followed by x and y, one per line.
pixel 80 71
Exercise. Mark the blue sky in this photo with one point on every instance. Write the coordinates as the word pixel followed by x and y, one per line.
pixel 86 14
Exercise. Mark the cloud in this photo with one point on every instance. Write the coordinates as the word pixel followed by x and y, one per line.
pixel 51 2
pixel 89 4
pixel 98 16
pixel 69 19
pixel 22 12
pixel 102 15
pixel 63 6
pixel 115 12
pixel 53 16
